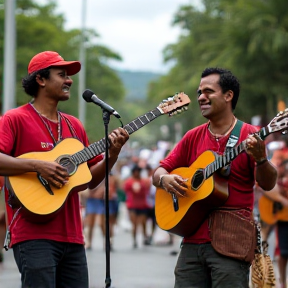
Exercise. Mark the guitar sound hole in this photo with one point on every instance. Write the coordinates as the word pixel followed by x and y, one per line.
pixel 277 206
pixel 66 162
pixel 197 179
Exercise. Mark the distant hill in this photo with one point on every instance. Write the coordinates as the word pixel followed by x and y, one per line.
pixel 136 83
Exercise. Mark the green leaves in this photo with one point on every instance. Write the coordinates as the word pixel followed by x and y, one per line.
pixel 40 28
pixel 249 37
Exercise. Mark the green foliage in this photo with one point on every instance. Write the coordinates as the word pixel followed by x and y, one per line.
pixel 40 28
pixel 249 37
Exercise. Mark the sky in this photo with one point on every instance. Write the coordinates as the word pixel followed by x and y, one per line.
pixel 136 29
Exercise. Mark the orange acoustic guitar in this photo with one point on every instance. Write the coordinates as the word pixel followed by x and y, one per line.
pixel 271 211
pixel 184 215
pixel 36 195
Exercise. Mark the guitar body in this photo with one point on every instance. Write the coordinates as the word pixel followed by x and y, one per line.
pixel 33 195
pixel 271 211
pixel 195 207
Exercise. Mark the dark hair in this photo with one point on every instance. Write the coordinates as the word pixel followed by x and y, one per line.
pixel 136 168
pixel 30 84
pixel 284 163
pixel 227 82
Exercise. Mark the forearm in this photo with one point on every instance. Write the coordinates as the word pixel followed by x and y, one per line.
pixel 156 176
pixel 274 194
pixel 98 171
pixel 14 166
pixel 266 175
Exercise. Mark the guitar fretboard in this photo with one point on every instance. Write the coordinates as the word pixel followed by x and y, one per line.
pixel 99 147
pixel 223 160
pixel 230 154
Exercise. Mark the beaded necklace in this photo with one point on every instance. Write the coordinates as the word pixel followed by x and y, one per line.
pixel 218 136
pixel 47 125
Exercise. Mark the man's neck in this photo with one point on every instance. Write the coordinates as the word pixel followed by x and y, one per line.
pixel 222 126
pixel 47 110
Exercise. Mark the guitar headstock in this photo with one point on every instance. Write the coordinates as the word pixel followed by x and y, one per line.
pixel 278 124
pixel 175 104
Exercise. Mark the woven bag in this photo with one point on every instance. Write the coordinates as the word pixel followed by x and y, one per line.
pixel 233 233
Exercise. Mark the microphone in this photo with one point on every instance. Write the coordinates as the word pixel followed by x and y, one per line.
pixel 89 96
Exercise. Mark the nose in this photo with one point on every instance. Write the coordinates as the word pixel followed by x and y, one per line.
pixel 201 96
pixel 68 79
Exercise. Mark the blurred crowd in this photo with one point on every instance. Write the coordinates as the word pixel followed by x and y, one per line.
pixel 271 208
pixel 132 195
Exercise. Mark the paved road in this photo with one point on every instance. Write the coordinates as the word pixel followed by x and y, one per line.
pixel 144 267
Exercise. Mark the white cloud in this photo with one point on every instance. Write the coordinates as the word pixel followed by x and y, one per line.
pixel 137 30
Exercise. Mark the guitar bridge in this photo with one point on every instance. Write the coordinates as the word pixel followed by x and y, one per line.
pixel 45 183
pixel 175 202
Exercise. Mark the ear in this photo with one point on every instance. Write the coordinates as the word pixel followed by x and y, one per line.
pixel 229 96
pixel 40 80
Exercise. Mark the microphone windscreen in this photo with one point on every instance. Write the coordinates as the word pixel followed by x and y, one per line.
pixel 87 95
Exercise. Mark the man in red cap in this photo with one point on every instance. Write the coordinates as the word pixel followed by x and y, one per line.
pixel 48 253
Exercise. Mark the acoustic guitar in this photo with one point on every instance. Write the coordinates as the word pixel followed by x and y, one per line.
pixel 271 211
pixel 36 195
pixel 206 189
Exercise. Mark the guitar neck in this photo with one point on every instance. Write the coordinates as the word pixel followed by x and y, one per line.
pixel 99 147
pixel 230 154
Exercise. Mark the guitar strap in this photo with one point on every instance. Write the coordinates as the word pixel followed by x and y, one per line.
pixel 234 136
pixel 232 141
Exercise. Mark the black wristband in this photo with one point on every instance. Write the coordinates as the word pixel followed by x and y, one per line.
pixel 261 161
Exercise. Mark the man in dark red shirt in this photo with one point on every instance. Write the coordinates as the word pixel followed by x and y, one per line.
pixel 199 265
pixel 49 253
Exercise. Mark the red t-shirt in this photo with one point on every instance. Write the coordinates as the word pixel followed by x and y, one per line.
pixel 1 183
pixel 23 131
pixel 136 193
pixel 241 179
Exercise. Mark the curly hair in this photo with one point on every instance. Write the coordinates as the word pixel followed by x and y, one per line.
pixel 227 82
pixel 30 84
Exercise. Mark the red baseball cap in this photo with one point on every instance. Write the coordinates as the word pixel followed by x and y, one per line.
pixel 52 59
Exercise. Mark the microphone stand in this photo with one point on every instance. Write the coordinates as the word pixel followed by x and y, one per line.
pixel 106 119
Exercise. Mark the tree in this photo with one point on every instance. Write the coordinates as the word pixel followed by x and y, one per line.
pixel 249 37
pixel 40 28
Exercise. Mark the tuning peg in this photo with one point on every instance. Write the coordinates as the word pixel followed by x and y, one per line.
pixel 172 113
pixel 279 113
pixel 284 132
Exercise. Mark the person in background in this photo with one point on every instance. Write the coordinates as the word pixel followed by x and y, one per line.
pixel 95 207
pixel 39 126
pixel 137 190
pixel 279 194
pixel 2 218
pixel 199 265
pixel 151 204
pixel 277 156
